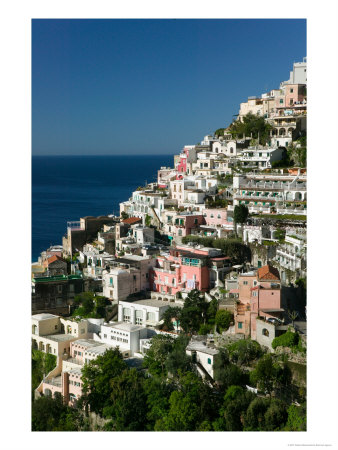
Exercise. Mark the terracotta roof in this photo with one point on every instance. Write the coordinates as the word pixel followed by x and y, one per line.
pixel 54 258
pixel 132 220
pixel 268 273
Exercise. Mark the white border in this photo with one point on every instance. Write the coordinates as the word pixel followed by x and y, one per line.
pixel 322 309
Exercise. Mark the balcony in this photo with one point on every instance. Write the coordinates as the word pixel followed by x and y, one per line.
pixel 74 226
pixel 164 283
pixel 53 381
pixel 170 272
pixel 273 186
pixel 260 198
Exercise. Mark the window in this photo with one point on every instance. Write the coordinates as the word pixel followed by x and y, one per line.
pixel 105 336
pixel 245 283
pixel 139 318
pixel 209 360
pixel 240 325
pixel 56 327
pixel 291 90
pixel 281 101
pixel 151 316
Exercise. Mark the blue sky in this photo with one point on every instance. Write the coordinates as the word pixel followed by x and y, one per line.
pixel 150 86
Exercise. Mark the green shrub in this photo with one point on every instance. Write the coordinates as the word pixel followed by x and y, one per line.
pixel 288 339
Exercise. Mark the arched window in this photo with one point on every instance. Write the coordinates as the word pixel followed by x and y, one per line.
pixel 48 392
pixel 265 332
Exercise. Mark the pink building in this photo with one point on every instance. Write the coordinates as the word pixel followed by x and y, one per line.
pixel 181 271
pixel 294 94
pixel 217 217
pixel 182 224
pixel 259 295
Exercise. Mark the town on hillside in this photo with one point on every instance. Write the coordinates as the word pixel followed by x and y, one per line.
pixel 192 302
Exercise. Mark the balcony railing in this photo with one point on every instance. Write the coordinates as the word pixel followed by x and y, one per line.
pixel 75 225
pixel 53 381
pixel 273 186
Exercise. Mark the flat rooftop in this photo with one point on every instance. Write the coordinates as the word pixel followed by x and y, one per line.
pixel 151 302
pixel 200 347
pixel 99 349
pixel 44 316
pixel 124 326
pixel 131 258
pixel 59 337
pixel 87 342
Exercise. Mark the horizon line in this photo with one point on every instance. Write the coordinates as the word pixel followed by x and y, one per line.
pixel 115 154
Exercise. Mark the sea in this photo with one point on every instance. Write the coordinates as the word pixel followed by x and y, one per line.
pixel 65 188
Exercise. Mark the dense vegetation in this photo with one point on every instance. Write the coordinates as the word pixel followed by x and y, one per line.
pixel 251 125
pixel 167 394
pixel 89 305
pixel 42 364
pixel 175 398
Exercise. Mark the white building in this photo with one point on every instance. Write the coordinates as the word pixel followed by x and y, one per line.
pixel 298 75
pixel 126 336
pixel 204 355
pixel 260 157
pixel 53 334
pixel 146 312
pixel 291 256
pixel 286 193
pixel 142 235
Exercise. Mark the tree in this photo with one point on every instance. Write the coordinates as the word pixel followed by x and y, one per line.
pixel 223 319
pixel 254 418
pixel 275 416
pixel 251 124
pixel 96 378
pixel 177 360
pixel 225 373
pixel 191 405
pixel 219 132
pixel 236 402
pixel 47 412
pixel 241 213
pixel 262 375
pixel 269 375
pixel 234 248
pixel 169 314
pixel 244 351
pixel 156 356
pixel 280 235
pixel 127 406
pixel 293 316
pixel 158 391
pixel 296 420
pixel 194 312
pixel 288 339
pixel 183 414
pixel 124 215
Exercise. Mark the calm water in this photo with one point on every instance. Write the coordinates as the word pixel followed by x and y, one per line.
pixel 69 187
